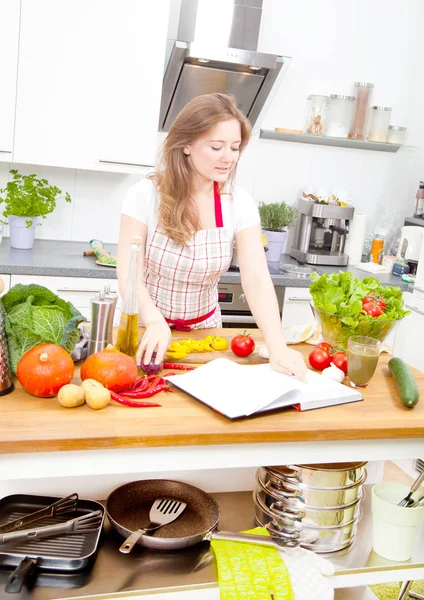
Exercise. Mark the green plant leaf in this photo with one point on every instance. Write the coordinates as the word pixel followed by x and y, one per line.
pixel 28 196
pixel 277 216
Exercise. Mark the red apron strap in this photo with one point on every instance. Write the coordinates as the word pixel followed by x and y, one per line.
pixel 184 324
pixel 218 208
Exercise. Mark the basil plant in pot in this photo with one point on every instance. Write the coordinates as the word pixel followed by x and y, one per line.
pixel 27 200
pixel 276 219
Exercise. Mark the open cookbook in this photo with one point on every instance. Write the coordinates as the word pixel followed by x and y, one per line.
pixel 243 390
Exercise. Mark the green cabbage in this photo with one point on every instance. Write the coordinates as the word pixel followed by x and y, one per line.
pixel 35 315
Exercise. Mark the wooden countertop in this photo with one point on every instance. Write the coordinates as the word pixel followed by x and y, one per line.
pixel 29 424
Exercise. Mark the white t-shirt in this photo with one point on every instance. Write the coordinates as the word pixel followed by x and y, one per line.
pixel 239 211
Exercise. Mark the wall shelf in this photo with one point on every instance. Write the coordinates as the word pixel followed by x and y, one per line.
pixel 304 138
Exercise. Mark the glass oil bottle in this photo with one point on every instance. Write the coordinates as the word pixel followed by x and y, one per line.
pixel 127 340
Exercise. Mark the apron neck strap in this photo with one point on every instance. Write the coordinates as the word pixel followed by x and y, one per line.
pixel 218 208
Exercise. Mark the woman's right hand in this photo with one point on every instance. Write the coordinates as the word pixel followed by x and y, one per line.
pixel 156 338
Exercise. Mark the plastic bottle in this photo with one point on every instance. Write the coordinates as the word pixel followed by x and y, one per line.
pixel 419 204
pixel 377 246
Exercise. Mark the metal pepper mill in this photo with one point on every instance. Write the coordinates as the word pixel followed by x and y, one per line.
pixel 102 311
pixel 6 384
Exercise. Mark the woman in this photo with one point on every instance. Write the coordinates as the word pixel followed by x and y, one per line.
pixel 190 213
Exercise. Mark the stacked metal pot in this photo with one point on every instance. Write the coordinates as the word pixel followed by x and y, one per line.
pixel 319 505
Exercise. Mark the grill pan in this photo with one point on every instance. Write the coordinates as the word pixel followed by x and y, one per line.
pixel 65 553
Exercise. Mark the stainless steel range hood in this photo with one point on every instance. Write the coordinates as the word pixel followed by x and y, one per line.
pixel 215 51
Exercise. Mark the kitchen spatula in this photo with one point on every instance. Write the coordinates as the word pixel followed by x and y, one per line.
pixel 163 511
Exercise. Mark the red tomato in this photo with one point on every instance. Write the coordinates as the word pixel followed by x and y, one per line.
pixel 242 345
pixel 319 359
pixel 374 305
pixel 324 345
pixel 377 298
pixel 340 361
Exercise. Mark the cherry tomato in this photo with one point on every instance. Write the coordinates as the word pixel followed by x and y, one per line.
pixel 242 345
pixel 374 305
pixel 373 310
pixel 319 359
pixel 379 299
pixel 340 361
pixel 324 345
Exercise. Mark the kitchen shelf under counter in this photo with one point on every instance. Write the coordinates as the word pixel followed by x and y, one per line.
pixel 193 569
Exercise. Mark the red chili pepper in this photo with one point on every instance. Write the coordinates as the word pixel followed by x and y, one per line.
pixel 156 381
pixel 161 387
pixel 127 402
pixel 140 385
pixel 177 367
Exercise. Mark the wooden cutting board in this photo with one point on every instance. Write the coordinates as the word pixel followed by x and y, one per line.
pixel 204 357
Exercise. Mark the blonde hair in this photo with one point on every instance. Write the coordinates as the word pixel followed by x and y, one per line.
pixel 178 217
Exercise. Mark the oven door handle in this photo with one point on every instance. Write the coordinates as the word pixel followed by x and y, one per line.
pixel 237 319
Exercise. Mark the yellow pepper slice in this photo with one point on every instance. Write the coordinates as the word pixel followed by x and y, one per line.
pixel 218 343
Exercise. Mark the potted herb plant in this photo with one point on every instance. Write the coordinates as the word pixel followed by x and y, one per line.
pixel 27 199
pixel 276 219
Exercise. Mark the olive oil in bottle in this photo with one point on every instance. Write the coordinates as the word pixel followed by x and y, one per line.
pixel 127 340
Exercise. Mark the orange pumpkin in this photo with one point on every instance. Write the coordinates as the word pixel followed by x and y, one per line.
pixel 44 369
pixel 113 369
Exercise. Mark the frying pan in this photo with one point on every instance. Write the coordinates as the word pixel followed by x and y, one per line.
pixel 128 508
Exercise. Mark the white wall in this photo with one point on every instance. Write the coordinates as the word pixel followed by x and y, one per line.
pixel 332 44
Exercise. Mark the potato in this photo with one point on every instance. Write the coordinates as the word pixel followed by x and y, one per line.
pixel 71 395
pixel 89 384
pixel 97 397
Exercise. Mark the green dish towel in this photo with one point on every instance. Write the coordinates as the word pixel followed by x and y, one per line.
pixel 390 591
pixel 250 572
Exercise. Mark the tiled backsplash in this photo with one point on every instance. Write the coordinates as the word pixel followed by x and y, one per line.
pixel 269 170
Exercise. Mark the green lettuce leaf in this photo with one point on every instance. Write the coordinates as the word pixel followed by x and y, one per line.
pixel 35 315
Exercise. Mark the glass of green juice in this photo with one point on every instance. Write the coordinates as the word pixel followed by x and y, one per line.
pixel 362 359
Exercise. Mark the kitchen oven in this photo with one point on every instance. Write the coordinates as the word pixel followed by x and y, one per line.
pixel 234 308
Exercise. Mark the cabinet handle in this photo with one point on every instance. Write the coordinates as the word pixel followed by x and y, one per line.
pixel 118 162
pixel 414 309
pixel 6 151
pixel 66 289
pixel 415 288
pixel 297 299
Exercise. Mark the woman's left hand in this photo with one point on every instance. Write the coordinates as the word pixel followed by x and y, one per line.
pixel 289 362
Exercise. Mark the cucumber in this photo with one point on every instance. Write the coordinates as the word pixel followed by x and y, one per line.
pixel 405 383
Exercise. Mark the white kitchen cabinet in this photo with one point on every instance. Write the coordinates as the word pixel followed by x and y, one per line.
pixel 296 307
pixel 78 290
pixel 89 82
pixel 408 338
pixel 9 36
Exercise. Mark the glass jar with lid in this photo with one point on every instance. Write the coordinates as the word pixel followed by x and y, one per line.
pixel 340 116
pixel 316 114
pixel 396 135
pixel 363 95
pixel 379 123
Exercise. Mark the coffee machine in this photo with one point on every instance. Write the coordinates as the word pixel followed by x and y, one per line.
pixel 321 233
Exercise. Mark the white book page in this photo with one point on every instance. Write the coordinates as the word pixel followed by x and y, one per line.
pixel 232 389
pixel 238 390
